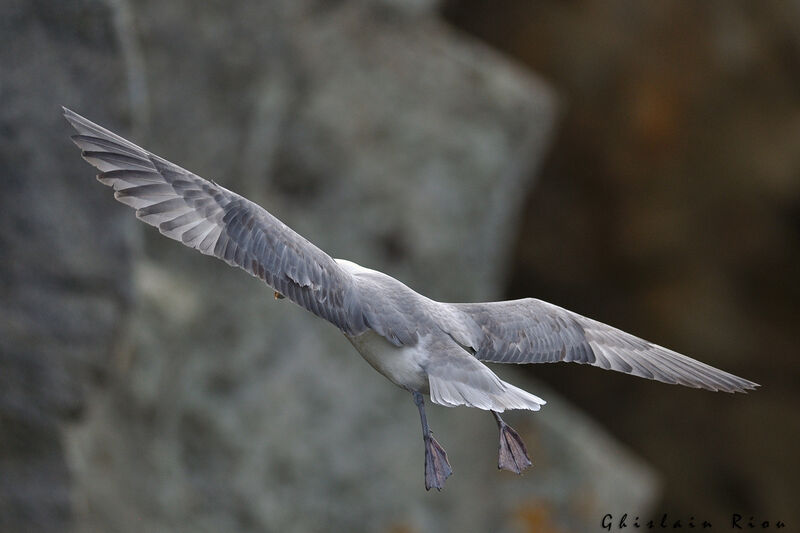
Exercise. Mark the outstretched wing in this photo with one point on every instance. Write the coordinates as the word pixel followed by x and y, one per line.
pixel 533 331
pixel 218 222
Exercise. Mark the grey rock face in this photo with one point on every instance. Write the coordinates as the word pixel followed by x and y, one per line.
pixel 383 137
pixel 65 287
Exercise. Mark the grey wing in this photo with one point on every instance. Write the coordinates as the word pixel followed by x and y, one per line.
pixel 533 331
pixel 218 222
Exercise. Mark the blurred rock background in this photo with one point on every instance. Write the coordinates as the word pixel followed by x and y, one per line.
pixel 144 387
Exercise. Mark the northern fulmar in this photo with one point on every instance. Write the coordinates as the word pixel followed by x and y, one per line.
pixel 419 344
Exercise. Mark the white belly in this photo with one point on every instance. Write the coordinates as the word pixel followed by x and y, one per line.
pixel 403 366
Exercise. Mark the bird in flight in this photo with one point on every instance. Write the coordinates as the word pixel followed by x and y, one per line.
pixel 419 344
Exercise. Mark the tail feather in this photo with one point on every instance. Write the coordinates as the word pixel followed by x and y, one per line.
pixel 457 378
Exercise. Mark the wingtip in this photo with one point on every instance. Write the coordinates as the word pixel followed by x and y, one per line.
pixel 72 117
pixel 751 386
pixel 745 387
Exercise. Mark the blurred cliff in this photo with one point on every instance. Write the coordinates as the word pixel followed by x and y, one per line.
pixel 144 387
pixel 669 205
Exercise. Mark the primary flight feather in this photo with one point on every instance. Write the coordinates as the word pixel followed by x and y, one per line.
pixel 421 345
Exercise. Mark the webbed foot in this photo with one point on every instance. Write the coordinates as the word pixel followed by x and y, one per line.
pixel 513 455
pixel 437 468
